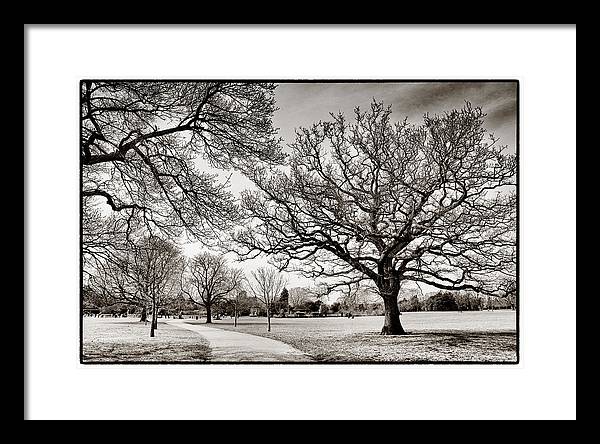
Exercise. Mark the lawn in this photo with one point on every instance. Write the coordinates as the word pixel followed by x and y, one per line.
pixel 128 340
pixel 434 337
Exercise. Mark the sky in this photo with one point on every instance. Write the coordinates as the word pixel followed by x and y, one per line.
pixel 302 104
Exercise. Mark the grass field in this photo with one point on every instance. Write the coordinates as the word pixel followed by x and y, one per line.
pixel 434 337
pixel 128 340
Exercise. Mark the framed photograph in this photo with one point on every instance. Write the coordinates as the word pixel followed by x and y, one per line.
pixel 300 222
pixel 303 222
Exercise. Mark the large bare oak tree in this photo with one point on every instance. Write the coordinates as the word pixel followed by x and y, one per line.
pixel 390 202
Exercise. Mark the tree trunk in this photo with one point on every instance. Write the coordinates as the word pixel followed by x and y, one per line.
pixel 268 318
pixel 235 316
pixel 144 315
pixel 153 322
pixel 208 313
pixel 392 325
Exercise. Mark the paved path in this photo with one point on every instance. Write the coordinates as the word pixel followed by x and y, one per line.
pixel 231 346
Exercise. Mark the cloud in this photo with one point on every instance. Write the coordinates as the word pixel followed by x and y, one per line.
pixel 302 104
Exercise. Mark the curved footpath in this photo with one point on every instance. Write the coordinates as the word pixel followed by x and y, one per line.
pixel 232 346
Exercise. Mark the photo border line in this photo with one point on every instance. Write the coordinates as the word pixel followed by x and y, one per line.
pixel 246 80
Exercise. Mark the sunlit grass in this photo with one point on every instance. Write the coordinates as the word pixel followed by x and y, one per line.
pixel 128 340
pixel 433 337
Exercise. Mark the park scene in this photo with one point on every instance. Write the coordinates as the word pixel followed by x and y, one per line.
pixel 299 222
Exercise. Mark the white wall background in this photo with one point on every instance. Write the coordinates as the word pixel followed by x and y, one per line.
pixel 542 386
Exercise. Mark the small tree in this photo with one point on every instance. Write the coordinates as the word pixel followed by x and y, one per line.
pixel 297 296
pixel 267 285
pixel 443 301
pixel 335 307
pixel 312 305
pixel 415 304
pixel 323 309
pixel 238 303
pixel 284 300
pixel 155 268
pixel 95 298
pixel 208 281
pixel 144 272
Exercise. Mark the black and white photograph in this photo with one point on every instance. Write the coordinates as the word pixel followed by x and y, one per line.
pixel 299 221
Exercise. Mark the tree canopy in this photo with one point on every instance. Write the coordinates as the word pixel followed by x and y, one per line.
pixel 142 149
pixel 390 202
pixel 208 280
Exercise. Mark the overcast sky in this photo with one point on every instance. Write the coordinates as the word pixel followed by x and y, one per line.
pixel 301 104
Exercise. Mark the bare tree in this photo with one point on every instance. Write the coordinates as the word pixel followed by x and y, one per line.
pixel 358 295
pixel 156 264
pixel 141 144
pixel 209 281
pixel 390 202
pixel 110 278
pixel 266 285
pixel 102 240
pixel 510 289
pixel 145 275
pixel 236 300
pixel 298 296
